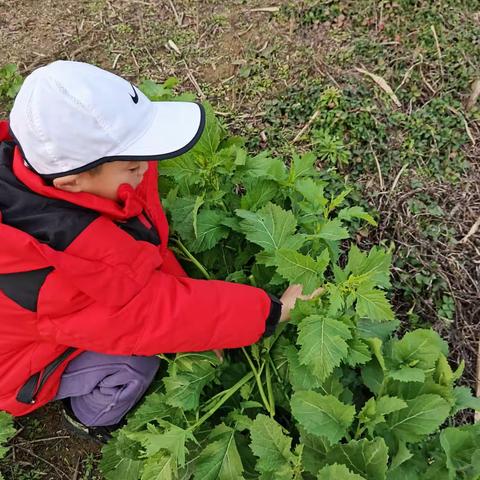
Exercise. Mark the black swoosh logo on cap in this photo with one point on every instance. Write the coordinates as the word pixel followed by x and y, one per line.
pixel 134 97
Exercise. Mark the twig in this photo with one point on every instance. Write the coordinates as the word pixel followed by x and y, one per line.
pixel 408 73
pixel 116 60
pixel 38 440
pixel 432 27
pixel 380 176
pixel 397 178
pixel 194 82
pixel 177 17
pixel 60 472
pixel 262 9
pixel 77 466
pixel 306 126
pixel 472 231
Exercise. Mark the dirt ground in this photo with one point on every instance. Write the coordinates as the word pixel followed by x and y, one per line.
pixel 240 55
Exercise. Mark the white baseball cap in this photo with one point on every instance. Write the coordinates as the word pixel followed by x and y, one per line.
pixel 69 117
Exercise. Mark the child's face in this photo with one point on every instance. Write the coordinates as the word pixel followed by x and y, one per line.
pixel 104 183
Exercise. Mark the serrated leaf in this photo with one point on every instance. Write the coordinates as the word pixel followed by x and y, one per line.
pixel 181 210
pixel 359 353
pixel 188 375
pixel 373 304
pixel 313 192
pixel 153 407
pixel 300 376
pixel 314 451
pixel 420 348
pixel 407 374
pixel 374 410
pixel 373 267
pixel 464 399
pixel 337 472
pixel 271 227
pixel 114 466
pixel 403 454
pixel 160 466
pixel 461 446
pixel 423 415
pixel 335 298
pixel 356 212
pixel 263 166
pixel 209 141
pixel 220 458
pixel 364 457
pixel 270 445
pixel 301 269
pixel 183 168
pixel 173 439
pixel 259 193
pixel 322 415
pixel 323 344
pixel 210 230
pixel 333 230
pixel 302 165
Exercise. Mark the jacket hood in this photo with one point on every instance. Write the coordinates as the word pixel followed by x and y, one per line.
pixel 27 204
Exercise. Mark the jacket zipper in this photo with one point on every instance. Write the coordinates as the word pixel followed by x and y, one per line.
pixel 34 384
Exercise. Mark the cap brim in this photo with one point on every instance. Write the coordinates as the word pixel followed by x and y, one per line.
pixel 175 129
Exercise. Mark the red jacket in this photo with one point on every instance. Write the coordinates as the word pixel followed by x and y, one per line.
pixel 81 271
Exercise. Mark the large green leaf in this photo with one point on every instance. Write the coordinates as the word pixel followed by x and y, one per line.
pixel 367 458
pixel 462 450
pixel 220 458
pixel 372 303
pixel 188 375
pixel 160 466
pixel 300 376
pixel 302 166
pixel 172 438
pixel 210 230
pixel 115 466
pixel 420 348
pixel 423 415
pixel 374 411
pixel 302 269
pixel 333 230
pixel 323 344
pixel 373 267
pixel 322 415
pixel 271 227
pixel 270 445
pixel 337 472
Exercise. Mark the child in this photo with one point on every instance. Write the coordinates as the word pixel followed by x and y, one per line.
pixel 89 291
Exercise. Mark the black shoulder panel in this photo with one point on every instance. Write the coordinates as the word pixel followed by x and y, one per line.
pixel 54 222
pixel 136 229
pixel 23 287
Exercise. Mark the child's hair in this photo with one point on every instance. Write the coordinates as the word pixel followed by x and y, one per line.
pixel 95 170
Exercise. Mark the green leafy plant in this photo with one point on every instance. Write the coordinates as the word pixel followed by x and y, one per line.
pixel 335 393
pixel 7 430
pixel 10 81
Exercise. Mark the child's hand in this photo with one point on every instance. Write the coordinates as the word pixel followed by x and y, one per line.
pixel 290 296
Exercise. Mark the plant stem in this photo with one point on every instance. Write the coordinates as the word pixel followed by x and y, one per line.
pixel 271 398
pixel 258 379
pixel 193 259
pixel 228 394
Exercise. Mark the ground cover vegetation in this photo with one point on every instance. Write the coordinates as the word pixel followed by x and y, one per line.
pixel 383 95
